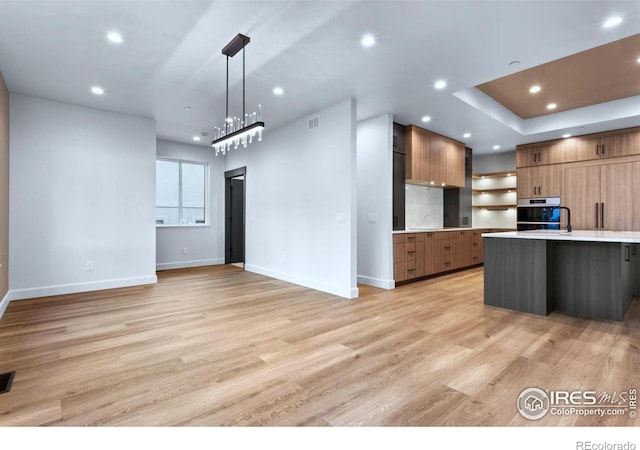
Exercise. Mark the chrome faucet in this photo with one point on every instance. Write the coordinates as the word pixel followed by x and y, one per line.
pixel 568 217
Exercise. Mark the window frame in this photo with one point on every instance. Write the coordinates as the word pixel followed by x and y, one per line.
pixel 207 205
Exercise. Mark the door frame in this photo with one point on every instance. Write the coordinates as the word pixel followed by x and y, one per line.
pixel 228 175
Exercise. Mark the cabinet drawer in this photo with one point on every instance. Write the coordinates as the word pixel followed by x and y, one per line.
pixel 412 238
pixel 400 271
pixel 399 252
pixel 415 269
pixel 411 250
pixel 399 238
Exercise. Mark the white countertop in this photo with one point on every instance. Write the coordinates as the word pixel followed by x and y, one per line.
pixel 433 230
pixel 576 235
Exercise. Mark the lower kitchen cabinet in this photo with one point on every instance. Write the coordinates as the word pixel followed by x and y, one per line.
pixel 417 255
pixel 408 256
pixel 466 248
pixel 477 247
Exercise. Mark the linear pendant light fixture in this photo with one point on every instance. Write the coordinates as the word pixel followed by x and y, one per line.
pixel 237 130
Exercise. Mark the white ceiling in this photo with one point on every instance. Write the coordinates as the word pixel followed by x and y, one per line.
pixel 172 57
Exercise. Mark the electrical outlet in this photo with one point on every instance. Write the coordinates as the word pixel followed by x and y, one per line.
pixel 185 251
pixel 89 265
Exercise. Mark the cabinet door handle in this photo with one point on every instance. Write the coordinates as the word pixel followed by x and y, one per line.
pixel 411 238
pixel 598 149
pixel 539 190
pixel 597 215
pixel 626 253
pixel 411 251
pixel 603 149
pixel 602 215
pixel 633 249
pixel 411 270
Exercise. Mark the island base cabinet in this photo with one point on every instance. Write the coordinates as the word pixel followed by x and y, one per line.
pixel 594 280
pixel 515 275
pixel 589 279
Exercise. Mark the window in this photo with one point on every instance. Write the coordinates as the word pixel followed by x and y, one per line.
pixel 181 192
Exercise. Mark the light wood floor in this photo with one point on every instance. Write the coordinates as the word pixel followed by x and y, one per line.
pixel 219 346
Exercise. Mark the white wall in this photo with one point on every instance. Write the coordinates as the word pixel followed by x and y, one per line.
pixel 82 189
pixel 205 244
pixel 4 195
pixel 375 201
pixel 300 205
pixel 424 207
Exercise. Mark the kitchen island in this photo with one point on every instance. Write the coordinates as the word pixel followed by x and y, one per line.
pixel 583 273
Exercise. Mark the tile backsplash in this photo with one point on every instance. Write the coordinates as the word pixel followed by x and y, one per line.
pixel 424 207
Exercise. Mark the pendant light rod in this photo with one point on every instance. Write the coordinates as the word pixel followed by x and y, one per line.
pixel 226 113
pixel 244 117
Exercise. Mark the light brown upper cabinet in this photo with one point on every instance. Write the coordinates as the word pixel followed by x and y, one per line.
pixel 432 159
pixel 610 144
pixel 532 155
pixel 603 197
pixel 541 181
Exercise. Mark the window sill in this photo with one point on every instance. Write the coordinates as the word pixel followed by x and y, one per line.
pixel 185 225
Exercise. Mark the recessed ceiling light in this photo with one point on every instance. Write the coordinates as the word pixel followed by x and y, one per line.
pixel 466 135
pixel 368 40
pixel 187 108
pixel 612 22
pixel 442 184
pixel 551 106
pixel 638 60
pixel 496 147
pixel 426 118
pixel 97 90
pixel 115 37
pixel 534 89
pixel 440 84
pixel 433 182
pixel 196 138
pixel 566 135
pixel 278 90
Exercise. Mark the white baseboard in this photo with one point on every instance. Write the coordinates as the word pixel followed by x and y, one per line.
pixel 306 282
pixel 187 264
pixel 46 291
pixel 4 303
pixel 376 282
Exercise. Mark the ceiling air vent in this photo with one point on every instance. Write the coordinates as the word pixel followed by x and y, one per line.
pixel 314 122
